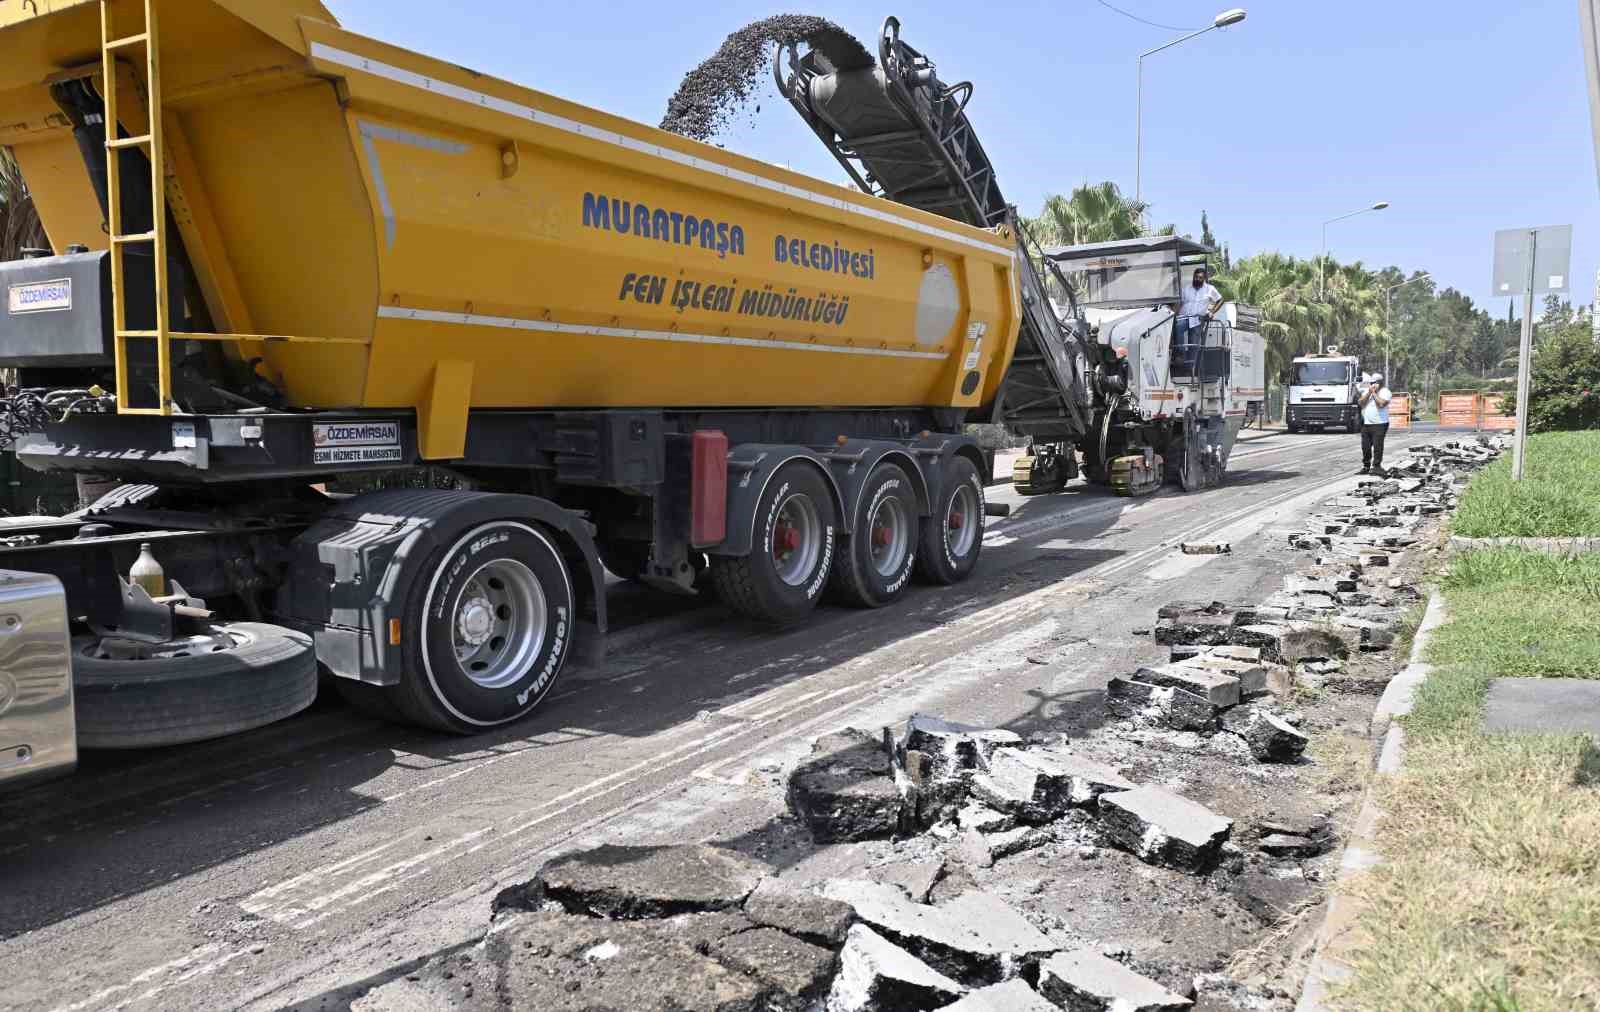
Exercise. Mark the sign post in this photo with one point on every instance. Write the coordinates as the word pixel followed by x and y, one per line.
pixel 1526 261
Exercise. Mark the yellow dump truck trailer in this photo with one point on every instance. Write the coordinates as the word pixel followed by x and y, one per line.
pixel 285 259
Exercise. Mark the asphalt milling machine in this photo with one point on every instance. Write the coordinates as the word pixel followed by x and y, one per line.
pixel 384 362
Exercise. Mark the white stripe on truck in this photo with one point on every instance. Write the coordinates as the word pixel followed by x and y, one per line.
pixel 323 51
pixel 552 327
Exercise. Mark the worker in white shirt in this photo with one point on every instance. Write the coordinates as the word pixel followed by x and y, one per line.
pixel 1375 398
pixel 1200 302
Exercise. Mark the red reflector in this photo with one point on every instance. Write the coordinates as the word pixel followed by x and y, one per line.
pixel 708 491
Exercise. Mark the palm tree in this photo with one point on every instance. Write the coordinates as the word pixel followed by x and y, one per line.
pixel 1097 212
pixel 19 219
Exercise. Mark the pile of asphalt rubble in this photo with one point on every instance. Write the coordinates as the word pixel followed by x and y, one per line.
pixel 714 92
pixel 707 927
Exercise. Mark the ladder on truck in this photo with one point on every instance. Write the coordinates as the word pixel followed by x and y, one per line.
pixel 163 247
pixel 110 46
pixel 931 159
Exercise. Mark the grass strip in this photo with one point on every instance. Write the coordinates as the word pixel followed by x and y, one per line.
pixel 1489 894
pixel 1559 496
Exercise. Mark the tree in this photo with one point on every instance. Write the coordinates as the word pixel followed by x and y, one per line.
pixel 1564 384
pixel 1097 212
pixel 19 219
pixel 1485 351
pixel 1205 231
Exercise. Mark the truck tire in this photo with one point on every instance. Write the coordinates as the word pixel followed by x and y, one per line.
pixel 488 629
pixel 874 565
pixel 268 673
pixel 779 582
pixel 952 535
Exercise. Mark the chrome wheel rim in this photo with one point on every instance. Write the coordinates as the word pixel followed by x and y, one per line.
pixel 497 626
pixel 889 529
pixel 796 539
pixel 116 648
pixel 962 520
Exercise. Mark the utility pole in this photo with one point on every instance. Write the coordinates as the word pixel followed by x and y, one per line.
pixel 1527 262
pixel 1231 16
pixel 1524 363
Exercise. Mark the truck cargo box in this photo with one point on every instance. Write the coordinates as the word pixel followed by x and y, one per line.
pixel 486 245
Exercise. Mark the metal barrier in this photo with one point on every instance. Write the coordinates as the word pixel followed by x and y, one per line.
pixel 1492 417
pixel 1400 411
pixel 1460 409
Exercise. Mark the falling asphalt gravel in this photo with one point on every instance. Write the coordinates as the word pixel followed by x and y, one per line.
pixel 715 91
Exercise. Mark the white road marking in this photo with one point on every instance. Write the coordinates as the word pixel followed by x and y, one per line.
pixel 775 705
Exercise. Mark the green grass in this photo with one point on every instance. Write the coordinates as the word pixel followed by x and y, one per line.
pixel 1559 496
pixel 1489 895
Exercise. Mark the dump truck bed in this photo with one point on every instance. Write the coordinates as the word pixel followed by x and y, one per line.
pixel 488 246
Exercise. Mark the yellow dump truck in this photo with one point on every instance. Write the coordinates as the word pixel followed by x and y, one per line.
pixel 286 261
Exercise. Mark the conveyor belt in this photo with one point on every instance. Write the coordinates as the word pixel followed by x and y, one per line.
pixel 903 134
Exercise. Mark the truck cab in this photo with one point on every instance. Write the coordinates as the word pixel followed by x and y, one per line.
pixel 1322 392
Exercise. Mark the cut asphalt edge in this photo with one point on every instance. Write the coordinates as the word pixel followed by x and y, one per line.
pixel 1335 939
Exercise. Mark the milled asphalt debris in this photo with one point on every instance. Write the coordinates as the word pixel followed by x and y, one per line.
pixel 715 91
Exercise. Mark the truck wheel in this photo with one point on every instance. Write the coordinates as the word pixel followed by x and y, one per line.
pixel 952 536
pixel 779 582
pixel 488 630
pixel 875 565
pixel 240 676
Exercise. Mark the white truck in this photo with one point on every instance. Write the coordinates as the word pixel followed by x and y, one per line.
pixel 1322 392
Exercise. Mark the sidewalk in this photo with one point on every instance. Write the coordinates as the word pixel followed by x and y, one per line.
pixel 1474 875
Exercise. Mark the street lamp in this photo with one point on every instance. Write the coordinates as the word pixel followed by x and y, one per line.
pixel 1322 291
pixel 1231 16
pixel 1388 320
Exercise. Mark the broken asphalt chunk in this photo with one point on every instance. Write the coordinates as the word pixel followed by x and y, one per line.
pixel 1086 981
pixel 1206 548
pixel 1288 642
pixel 635 882
pixel 845 791
pixel 545 959
pixel 975 936
pixel 801 971
pixel 1159 705
pixel 1270 738
pixel 800 913
pixel 875 975
pixel 1284 845
pixel 1053 780
pixel 1160 827
pixel 1219 689
pixel 1013 996
pixel 1230 651
pixel 955 746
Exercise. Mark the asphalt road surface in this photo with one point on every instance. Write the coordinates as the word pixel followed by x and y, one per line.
pixel 264 870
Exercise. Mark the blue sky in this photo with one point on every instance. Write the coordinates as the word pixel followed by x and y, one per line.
pixel 1467 116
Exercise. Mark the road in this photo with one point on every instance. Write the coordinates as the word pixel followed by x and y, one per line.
pixel 261 871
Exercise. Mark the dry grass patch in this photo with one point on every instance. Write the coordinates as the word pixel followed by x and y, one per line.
pixel 1489 894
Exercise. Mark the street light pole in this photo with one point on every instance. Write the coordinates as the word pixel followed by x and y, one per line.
pixel 1388 320
pixel 1322 290
pixel 1232 16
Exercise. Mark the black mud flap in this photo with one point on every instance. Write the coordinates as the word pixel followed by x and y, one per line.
pixel 349 573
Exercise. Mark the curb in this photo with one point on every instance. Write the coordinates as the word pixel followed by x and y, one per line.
pixel 1568 547
pixel 1360 852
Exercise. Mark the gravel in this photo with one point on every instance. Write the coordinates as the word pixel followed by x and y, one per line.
pixel 712 93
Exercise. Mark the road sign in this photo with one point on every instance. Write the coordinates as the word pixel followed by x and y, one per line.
pixel 1552 259
pixel 1527 261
